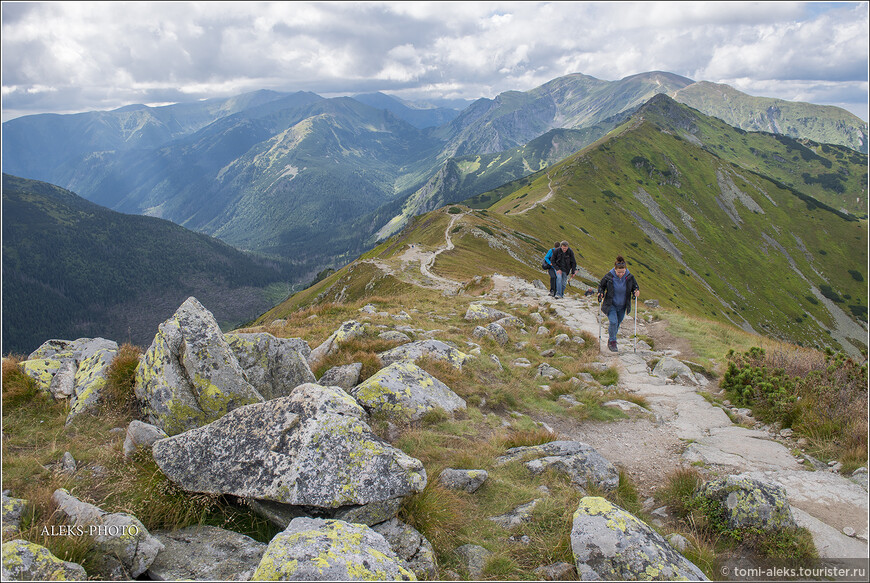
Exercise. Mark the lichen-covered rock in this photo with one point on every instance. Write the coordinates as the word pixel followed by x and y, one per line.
pixel 27 561
pixel 13 510
pixel 272 365
pixel 516 516
pixel 141 434
pixel 410 546
pixel 580 461
pixel 404 390
pixel 611 544
pixel 394 336
pixel 312 448
pixel 345 376
pixel 468 480
pixel 510 322
pixel 330 550
pixel 189 376
pixel 430 348
pixel 117 536
pixel 91 377
pixel 41 370
pixel 205 553
pixel 498 333
pixel 478 311
pixel 749 502
pixel 669 367
pixel 347 331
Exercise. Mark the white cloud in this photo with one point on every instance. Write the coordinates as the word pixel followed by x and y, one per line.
pixel 107 54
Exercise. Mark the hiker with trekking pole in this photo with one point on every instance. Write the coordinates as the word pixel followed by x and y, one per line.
pixel 615 292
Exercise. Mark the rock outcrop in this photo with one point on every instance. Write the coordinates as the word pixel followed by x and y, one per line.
pixel 348 330
pixel 125 547
pixel 190 376
pixel 747 502
pixel 27 561
pixel 430 348
pixel 611 544
pixel 274 366
pixel 330 550
pixel 405 391
pixel 74 369
pixel 578 460
pixel 312 448
pixel 205 553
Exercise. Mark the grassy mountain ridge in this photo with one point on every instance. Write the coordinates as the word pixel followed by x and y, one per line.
pixel 291 174
pixel 73 269
pixel 702 233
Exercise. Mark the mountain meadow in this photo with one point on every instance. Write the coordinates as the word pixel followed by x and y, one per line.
pixel 282 337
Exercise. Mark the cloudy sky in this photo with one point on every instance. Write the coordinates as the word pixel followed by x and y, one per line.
pixel 80 56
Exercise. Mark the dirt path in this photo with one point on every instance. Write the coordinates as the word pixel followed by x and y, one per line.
pixel 684 428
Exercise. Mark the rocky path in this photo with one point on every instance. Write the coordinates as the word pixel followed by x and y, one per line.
pixel 689 430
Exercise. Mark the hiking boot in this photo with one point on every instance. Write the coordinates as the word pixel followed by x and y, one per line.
pixel 612 346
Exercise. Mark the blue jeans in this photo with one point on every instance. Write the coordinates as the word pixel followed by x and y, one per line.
pixel 561 280
pixel 615 315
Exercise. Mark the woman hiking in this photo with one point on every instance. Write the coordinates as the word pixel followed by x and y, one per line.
pixel 548 260
pixel 614 292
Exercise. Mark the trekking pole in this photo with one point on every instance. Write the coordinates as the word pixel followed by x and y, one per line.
pixel 635 324
pixel 598 313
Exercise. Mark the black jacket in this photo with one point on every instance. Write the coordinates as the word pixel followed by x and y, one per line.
pixel 564 260
pixel 606 287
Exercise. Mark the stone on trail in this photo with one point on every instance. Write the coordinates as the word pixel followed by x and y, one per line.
pixel 125 546
pixel 430 348
pixel 190 376
pixel 613 545
pixel 406 391
pixel 312 549
pixel 205 553
pixel 748 502
pixel 274 366
pixel 27 561
pixel 580 461
pixel 312 448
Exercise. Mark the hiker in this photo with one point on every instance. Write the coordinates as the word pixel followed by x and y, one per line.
pixel 614 293
pixel 566 266
pixel 548 262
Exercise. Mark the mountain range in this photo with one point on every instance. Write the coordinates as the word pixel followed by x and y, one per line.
pixel 701 210
pixel 321 180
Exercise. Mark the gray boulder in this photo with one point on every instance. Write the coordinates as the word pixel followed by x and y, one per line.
pixel 410 546
pixel 272 365
pixel 468 480
pixel 669 367
pixel 430 348
pixel 13 510
pixel 578 460
pixel 479 311
pixel 190 376
pixel 121 540
pixel 27 561
pixel 547 371
pixel 141 434
pixel 517 516
pixel 474 558
pixel 394 336
pixel 347 331
pixel 312 448
pixel 613 545
pixel 205 553
pixel 406 391
pixel 345 376
pixel 313 549
pixel 749 502
pixel 498 333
